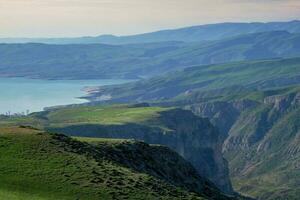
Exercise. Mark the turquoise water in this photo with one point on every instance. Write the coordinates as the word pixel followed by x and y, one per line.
pixel 19 94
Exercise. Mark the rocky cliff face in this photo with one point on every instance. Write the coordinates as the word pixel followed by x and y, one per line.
pixel 222 114
pixel 192 137
pixel 262 143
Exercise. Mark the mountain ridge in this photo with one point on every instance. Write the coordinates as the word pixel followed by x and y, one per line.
pixel 136 61
pixel 187 34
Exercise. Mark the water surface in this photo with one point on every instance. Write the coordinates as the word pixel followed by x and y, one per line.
pixel 19 94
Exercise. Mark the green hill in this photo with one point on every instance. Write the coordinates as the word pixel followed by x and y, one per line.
pixel 37 165
pixel 192 137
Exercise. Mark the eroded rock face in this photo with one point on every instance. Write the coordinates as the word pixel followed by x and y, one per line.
pixel 222 114
pixel 251 127
pixel 192 137
pixel 200 143
pixel 262 143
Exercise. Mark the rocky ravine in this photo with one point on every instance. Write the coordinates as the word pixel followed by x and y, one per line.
pixel 262 143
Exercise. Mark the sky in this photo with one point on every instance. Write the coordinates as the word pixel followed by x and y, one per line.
pixel 72 18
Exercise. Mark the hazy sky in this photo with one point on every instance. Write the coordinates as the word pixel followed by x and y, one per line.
pixel 58 18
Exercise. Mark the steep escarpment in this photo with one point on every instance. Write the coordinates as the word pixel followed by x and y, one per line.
pixel 262 145
pixel 222 114
pixel 38 165
pixel 192 137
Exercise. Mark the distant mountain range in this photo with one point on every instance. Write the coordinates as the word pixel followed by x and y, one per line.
pixel 190 34
pixel 92 61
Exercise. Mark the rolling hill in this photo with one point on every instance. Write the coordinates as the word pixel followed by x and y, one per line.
pixel 42 166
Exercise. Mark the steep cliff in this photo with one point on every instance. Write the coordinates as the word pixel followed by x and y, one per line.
pixel 263 139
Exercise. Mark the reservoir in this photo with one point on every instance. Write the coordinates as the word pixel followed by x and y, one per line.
pixel 19 95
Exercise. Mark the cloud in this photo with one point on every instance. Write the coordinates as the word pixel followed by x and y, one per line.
pixel 94 17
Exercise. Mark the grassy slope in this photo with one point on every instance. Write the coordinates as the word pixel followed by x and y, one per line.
pixel 35 165
pixel 119 114
pixel 155 125
pixel 105 115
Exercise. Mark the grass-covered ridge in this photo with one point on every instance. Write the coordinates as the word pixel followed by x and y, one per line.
pixel 41 166
pixel 116 114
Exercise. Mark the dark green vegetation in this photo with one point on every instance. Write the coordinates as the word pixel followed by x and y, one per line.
pixel 138 60
pixel 189 34
pixel 192 137
pixel 37 165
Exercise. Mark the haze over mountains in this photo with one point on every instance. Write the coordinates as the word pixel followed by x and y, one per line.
pixel 92 61
pixel 190 34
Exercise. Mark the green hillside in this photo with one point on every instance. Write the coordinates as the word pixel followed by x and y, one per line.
pixel 208 82
pixel 37 165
